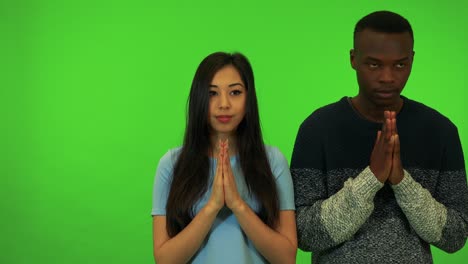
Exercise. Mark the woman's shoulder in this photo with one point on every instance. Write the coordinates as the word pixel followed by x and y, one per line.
pixel 278 165
pixel 170 157
pixel 167 163
pixel 274 153
pixel 271 150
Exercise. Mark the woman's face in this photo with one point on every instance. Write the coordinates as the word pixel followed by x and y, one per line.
pixel 227 102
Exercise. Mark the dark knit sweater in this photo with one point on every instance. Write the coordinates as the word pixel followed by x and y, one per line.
pixel 345 215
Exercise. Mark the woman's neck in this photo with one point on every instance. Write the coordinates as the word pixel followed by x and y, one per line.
pixel 214 150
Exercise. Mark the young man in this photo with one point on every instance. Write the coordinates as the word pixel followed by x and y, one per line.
pixel 379 177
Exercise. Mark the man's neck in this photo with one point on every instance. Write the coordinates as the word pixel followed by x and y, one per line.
pixel 373 112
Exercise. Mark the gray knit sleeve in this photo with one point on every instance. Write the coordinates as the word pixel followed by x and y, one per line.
pixel 329 222
pixel 425 214
pixel 442 225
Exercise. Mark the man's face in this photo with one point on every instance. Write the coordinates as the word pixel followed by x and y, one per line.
pixel 383 64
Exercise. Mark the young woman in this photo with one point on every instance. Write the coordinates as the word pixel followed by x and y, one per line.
pixel 223 197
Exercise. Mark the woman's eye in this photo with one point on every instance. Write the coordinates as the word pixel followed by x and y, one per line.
pixel 236 92
pixel 212 93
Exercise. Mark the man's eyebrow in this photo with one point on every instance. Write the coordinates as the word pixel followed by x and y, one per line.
pixel 372 58
pixel 375 59
pixel 403 59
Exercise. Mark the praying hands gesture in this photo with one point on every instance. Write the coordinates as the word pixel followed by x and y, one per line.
pixel 385 160
pixel 277 245
pixel 224 190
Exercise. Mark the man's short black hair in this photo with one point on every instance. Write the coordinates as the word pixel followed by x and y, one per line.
pixel 385 22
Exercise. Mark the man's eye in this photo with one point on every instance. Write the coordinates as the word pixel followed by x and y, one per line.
pixel 400 65
pixel 373 65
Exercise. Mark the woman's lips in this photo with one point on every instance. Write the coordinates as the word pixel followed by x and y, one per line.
pixel 224 118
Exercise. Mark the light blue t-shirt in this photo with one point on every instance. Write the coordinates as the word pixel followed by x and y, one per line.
pixel 226 242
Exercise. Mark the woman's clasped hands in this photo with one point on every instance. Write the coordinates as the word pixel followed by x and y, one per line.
pixel 224 190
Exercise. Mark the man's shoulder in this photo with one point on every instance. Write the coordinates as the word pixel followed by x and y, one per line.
pixel 429 116
pixel 327 112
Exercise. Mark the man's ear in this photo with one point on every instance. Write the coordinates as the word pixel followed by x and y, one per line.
pixel 351 58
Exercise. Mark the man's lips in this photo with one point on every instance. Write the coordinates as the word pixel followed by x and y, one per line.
pixel 224 118
pixel 386 93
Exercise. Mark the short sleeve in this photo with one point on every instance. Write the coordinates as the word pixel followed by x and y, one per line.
pixel 162 183
pixel 280 169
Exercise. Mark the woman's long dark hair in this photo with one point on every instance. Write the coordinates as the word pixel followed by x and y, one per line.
pixel 191 171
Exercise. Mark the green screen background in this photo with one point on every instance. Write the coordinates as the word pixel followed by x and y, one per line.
pixel 93 93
